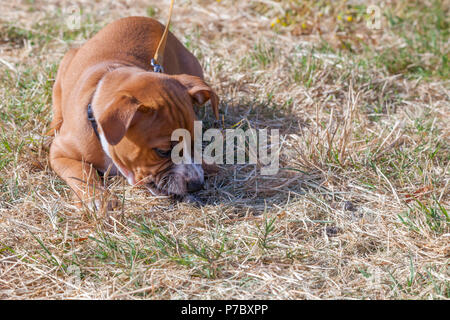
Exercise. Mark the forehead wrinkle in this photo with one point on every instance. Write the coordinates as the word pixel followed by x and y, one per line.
pixel 168 97
pixel 176 101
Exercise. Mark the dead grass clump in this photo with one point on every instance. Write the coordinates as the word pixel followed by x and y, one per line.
pixel 358 210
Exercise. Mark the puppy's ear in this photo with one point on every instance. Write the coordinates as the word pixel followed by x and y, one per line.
pixel 199 91
pixel 117 117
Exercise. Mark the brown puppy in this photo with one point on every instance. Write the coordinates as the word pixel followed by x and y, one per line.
pixel 135 110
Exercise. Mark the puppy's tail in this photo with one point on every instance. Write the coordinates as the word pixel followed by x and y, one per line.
pixel 57 121
pixel 55 125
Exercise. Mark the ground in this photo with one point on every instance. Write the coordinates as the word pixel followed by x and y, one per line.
pixel 358 209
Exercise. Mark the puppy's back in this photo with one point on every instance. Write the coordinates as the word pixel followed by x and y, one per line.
pixel 133 40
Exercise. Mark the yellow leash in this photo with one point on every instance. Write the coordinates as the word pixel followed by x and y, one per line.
pixel 157 60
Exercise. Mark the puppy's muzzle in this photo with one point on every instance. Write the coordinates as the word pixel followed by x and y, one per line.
pixel 181 179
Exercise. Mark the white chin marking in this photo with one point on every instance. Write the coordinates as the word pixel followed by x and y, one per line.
pixel 127 174
pixel 105 145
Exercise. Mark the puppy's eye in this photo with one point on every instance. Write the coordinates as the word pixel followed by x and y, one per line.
pixel 163 153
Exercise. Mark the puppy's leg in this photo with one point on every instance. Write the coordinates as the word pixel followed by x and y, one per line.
pixel 81 177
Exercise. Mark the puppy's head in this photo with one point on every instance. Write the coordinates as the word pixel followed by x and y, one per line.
pixel 137 112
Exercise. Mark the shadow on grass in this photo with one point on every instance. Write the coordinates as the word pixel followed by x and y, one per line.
pixel 242 186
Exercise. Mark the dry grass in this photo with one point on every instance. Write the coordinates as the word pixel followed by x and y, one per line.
pixel 359 210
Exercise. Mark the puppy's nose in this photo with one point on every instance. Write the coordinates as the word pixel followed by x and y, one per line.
pixel 193 186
